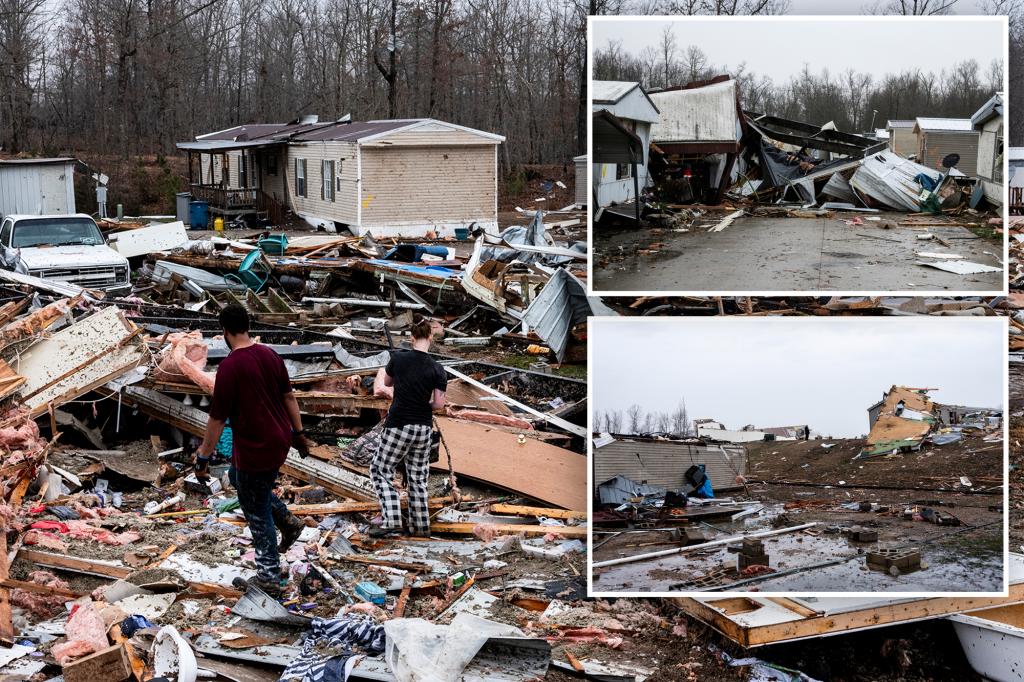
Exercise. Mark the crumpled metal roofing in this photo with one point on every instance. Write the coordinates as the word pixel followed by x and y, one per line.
pixel 561 305
pixel 705 114
pixel 889 179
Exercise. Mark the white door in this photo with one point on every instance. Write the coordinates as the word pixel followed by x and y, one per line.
pixel 53 189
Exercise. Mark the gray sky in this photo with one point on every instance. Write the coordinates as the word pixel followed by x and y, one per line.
pixel 857 6
pixel 786 371
pixel 780 49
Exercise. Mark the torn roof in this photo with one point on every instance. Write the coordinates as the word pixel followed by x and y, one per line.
pixel 989 110
pixel 610 92
pixel 944 125
pixel 900 124
pixel 703 114
pixel 915 422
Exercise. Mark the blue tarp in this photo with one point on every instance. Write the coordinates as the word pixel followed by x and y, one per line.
pixel 432 270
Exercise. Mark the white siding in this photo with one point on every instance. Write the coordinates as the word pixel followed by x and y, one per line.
pixel 989 143
pixel 428 185
pixel 429 134
pixel 581 181
pixel 664 464
pixel 344 207
pixel 43 188
pixel 903 141
pixel 933 146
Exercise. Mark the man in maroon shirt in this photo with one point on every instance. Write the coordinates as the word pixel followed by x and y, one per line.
pixel 254 392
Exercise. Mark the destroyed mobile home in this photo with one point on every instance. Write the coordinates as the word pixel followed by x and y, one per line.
pixel 728 199
pixel 784 509
pixel 118 562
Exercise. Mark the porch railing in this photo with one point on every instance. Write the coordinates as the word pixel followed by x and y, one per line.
pixel 227 199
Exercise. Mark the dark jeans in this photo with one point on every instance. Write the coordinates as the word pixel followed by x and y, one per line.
pixel 263 511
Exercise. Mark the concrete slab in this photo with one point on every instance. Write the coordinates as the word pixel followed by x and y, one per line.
pixel 789 254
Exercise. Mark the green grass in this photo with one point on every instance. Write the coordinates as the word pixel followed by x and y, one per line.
pixel 987 232
pixel 524 360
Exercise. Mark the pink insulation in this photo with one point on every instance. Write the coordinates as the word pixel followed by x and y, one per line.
pixel 184 361
pixel 85 632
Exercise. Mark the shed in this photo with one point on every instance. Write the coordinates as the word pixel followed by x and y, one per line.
pixel 902 138
pixel 614 182
pixel 37 186
pixel 392 178
pixel 581 180
pixel 988 122
pixel 663 463
pixel 938 137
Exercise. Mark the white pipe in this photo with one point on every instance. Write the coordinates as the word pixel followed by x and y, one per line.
pixel 703 545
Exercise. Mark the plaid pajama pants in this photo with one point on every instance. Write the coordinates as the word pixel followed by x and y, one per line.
pixel 411 444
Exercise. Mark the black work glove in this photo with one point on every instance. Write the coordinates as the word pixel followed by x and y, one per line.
pixel 300 443
pixel 202 468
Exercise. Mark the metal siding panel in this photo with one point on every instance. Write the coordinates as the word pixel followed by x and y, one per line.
pixel 664 464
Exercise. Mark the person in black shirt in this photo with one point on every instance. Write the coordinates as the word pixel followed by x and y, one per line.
pixel 419 383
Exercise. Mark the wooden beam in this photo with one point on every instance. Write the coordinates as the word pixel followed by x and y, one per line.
pixel 519 510
pixel 6 624
pixel 511 529
pixel 820 624
pixel 40 589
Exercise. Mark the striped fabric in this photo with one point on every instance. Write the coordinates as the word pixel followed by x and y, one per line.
pixel 330 644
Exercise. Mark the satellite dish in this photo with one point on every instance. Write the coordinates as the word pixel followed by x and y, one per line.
pixel 950 160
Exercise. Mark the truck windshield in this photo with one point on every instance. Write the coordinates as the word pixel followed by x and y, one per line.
pixel 55 232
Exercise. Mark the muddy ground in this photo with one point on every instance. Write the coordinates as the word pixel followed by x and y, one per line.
pixel 799 483
pixel 778 253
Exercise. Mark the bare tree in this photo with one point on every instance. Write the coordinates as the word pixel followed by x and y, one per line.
pixel 664 422
pixel 681 420
pixel 635 416
pixel 912 7
pixel 614 421
pixel 668 54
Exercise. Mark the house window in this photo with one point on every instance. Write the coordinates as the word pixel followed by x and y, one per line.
pixel 622 171
pixel 272 163
pixel 243 171
pixel 300 177
pixel 327 180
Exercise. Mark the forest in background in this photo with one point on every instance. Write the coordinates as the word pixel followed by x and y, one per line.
pixel 854 101
pixel 118 82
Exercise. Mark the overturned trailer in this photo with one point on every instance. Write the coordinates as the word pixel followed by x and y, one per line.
pixel 663 463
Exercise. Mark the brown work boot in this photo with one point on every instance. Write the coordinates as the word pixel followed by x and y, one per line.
pixel 290 531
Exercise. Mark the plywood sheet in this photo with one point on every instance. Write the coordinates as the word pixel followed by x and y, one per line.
pixel 467 395
pixel 539 470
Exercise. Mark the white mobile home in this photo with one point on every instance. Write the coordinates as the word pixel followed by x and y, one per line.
pixel 613 183
pixel 37 186
pixel 939 137
pixel 902 138
pixel 390 178
pixel 988 121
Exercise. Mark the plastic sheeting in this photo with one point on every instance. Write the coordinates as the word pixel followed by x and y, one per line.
pixel 420 651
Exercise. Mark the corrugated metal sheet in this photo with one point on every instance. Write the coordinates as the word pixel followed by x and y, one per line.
pixel 561 305
pixel 663 463
pixel 889 178
pixel 46 187
pixel 706 114
pixel 951 124
pixel 621 488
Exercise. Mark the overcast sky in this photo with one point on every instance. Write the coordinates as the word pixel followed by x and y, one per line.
pixel 779 48
pixel 786 371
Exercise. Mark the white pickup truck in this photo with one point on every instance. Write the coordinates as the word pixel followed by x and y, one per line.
pixel 64 248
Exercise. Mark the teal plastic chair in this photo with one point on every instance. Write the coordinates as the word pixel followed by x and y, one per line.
pixel 254 271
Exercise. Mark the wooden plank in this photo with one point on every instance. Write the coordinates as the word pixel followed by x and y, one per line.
pixel 549 418
pixel 547 473
pixel 39 589
pixel 820 625
pixel 353 507
pixel 6 624
pixel 519 510
pixel 110 664
pixel 570 532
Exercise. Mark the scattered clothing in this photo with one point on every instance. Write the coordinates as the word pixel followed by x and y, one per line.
pixel 332 647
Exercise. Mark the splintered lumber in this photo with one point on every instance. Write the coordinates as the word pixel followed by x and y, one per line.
pixel 351 507
pixel 108 569
pixel 549 418
pixel 532 468
pixel 568 532
pixel 519 510
pixel 110 664
pixel 39 589
pixel 704 545
pixel 6 624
